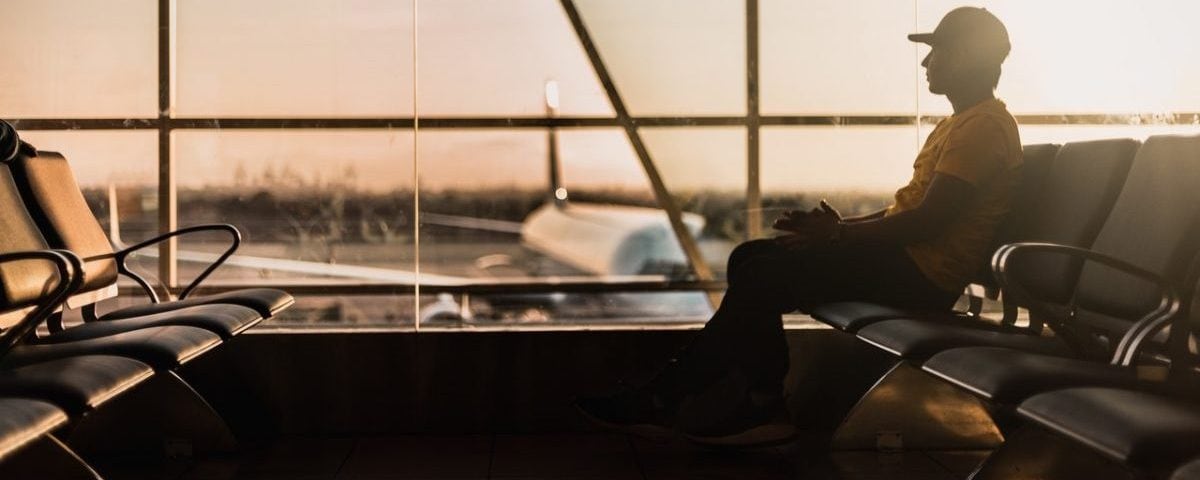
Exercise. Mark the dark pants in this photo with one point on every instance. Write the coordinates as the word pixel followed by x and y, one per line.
pixel 766 281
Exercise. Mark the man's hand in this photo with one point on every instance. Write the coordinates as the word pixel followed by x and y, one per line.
pixel 818 227
pixel 797 221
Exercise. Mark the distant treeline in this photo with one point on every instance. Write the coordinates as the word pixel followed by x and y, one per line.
pixel 332 215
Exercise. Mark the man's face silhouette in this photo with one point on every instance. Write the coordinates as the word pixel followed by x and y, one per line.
pixel 953 69
pixel 939 70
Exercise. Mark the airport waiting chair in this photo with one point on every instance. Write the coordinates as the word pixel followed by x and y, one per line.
pixel 57 204
pixel 1124 294
pixel 162 342
pixel 77 383
pixel 1072 201
pixel 849 316
pixel 1148 433
pixel 85 366
pixel 23 420
pixel 37 399
pixel 1187 471
pixel 1144 431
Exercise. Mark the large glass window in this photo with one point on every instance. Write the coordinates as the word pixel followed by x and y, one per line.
pixel 1082 56
pixel 673 57
pixel 281 58
pixel 473 163
pixel 79 58
pixel 825 57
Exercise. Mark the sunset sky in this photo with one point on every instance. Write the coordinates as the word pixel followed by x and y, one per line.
pixel 354 58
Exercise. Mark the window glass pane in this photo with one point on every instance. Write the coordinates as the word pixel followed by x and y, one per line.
pixel 477 187
pixel 704 168
pixel 79 58
pixel 830 57
pixel 857 168
pixel 673 57
pixel 488 215
pixel 486 196
pixel 280 58
pixel 313 205
pixel 601 159
pixel 112 165
pixel 1091 56
pixel 486 58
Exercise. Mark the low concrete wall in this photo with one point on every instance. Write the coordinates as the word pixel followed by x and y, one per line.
pixel 457 382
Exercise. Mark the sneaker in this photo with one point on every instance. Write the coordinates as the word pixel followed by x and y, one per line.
pixel 632 411
pixel 732 414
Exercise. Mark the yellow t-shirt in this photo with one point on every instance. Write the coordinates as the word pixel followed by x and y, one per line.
pixel 982 147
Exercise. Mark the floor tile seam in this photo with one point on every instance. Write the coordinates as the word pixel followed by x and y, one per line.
pixel 939 463
pixel 637 457
pixel 491 455
pixel 346 460
pixel 935 461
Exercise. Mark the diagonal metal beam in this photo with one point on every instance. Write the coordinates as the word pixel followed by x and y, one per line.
pixel 661 194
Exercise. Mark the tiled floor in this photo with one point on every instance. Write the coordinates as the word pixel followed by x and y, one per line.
pixel 545 456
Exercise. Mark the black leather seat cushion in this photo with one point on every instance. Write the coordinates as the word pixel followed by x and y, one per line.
pixel 851 316
pixel 163 348
pixel 921 339
pixel 23 420
pixel 224 320
pixel 1007 376
pixel 75 384
pixel 1144 430
pixel 1189 471
pixel 265 301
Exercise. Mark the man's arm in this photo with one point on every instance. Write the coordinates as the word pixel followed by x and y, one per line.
pixel 862 218
pixel 795 219
pixel 944 201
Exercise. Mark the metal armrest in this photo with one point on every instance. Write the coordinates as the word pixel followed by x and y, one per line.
pixel 1145 327
pixel 70 278
pixel 123 256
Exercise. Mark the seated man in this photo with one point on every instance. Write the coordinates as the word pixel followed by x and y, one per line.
pixel 920 253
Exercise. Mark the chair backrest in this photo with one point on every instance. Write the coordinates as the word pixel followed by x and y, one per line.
pixel 1155 224
pixel 1034 168
pixel 56 203
pixel 1068 207
pixel 22 283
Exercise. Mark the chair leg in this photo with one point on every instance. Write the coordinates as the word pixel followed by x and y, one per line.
pixel 164 416
pixel 48 458
pixel 909 409
pixel 1034 454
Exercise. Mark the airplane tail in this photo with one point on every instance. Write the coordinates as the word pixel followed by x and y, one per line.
pixel 114 216
pixel 556 193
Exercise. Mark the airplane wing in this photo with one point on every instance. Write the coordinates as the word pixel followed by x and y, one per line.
pixel 356 272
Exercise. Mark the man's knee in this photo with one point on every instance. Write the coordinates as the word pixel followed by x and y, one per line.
pixel 765 278
pixel 748 250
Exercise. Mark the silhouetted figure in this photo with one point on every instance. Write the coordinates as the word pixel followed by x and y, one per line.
pixel 920 252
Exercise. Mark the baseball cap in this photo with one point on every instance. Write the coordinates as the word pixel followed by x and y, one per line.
pixel 973 27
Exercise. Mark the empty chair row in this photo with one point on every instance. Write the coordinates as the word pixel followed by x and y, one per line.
pixel 54 255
